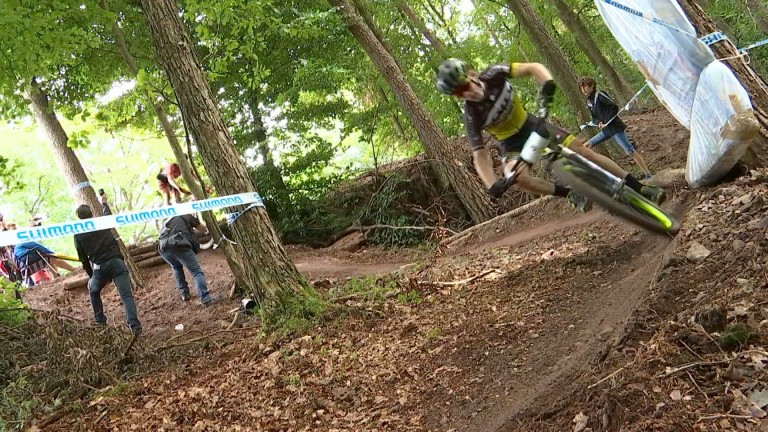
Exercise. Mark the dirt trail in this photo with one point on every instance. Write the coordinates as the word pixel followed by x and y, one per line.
pixel 599 316
pixel 582 305
pixel 316 267
pixel 159 306
pixel 527 233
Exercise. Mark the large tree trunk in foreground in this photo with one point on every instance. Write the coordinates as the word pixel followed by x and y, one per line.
pixel 70 165
pixel 749 79
pixel 589 47
pixel 270 275
pixel 561 68
pixel 448 166
pixel 181 159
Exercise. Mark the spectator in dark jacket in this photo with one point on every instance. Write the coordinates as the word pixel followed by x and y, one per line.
pixel 178 246
pixel 605 115
pixel 103 261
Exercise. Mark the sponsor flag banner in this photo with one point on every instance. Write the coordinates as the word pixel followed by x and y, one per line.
pixel 115 221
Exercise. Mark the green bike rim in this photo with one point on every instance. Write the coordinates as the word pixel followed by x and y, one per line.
pixel 633 199
pixel 640 203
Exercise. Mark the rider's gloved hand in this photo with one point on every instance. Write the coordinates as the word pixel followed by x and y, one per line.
pixel 498 189
pixel 546 96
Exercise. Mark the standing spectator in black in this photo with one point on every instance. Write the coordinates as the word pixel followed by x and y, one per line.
pixel 178 245
pixel 102 260
pixel 605 114
pixel 105 210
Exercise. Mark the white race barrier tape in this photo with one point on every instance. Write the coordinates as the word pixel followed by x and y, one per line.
pixel 8 238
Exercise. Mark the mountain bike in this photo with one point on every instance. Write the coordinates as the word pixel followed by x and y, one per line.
pixel 590 180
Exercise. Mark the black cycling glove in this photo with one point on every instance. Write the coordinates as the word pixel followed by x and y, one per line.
pixel 547 94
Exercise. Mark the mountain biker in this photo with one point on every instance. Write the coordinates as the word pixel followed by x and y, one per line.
pixel 166 183
pixel 605 113
pixel 490 103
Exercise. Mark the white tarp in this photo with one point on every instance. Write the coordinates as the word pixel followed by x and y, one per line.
pixel 722 125
pixel 663 44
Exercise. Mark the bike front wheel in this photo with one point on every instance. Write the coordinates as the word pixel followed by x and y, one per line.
pixel 595 184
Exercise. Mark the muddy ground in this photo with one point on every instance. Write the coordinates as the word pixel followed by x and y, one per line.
pixel 551 321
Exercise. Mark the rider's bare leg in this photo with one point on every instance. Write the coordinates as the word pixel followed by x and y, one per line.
pixel 609 165
pixel 535 185
pixel 656 194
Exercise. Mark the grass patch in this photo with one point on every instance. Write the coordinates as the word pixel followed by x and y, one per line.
pixel 410 297
pixel 293 313
pixel 369 287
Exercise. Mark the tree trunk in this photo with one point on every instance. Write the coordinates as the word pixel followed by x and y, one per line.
pixel 70 165
pixel 759 10
pixel 181 159
pixel 362 9
pixel 749 79
pixel 448 166
pixel 561 68
pixel 270 275
pixel 589 47
pixel 411 16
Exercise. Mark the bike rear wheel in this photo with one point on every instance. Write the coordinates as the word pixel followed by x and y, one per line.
pixel 594 184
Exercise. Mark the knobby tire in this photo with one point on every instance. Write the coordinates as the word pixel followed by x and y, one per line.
pixel 629 205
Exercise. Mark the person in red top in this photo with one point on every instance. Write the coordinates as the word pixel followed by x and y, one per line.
pixel 166 182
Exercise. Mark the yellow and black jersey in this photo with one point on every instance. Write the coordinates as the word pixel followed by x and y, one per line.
pixel 501 113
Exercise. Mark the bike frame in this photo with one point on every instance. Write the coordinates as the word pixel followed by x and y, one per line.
pixel 552 153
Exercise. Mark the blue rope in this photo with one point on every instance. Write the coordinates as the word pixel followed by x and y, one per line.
pixel 755 45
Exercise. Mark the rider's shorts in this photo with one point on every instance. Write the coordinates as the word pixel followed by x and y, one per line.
pixel 513 145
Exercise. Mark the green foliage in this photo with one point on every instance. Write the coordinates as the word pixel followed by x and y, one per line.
pixel 10 180
pixel 369 287
pixel 410 297
pixel 124 164
pixel 742 30
pixel 736 336
pixel 59 44
pixel 384 208
pixel 17 405
pixel 12 310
